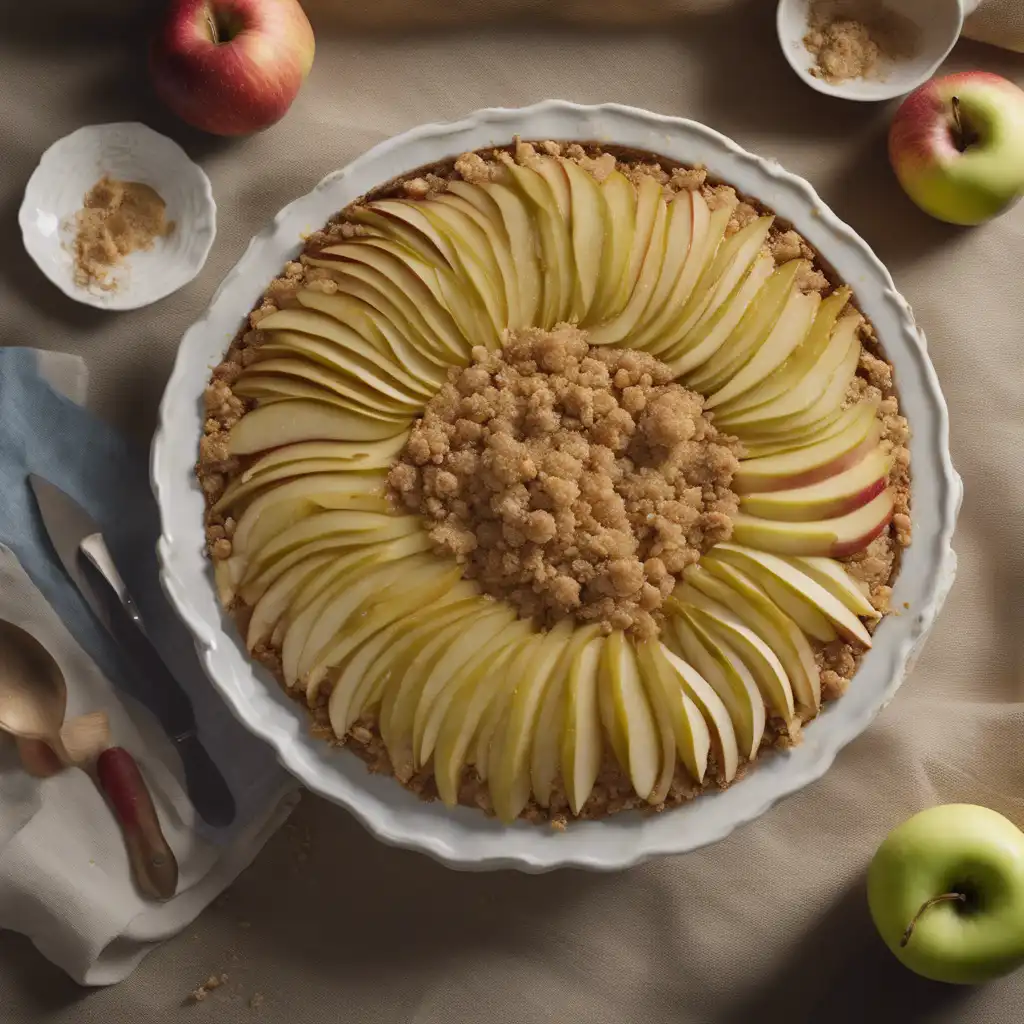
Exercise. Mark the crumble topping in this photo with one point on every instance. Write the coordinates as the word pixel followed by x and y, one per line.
pixel 570 479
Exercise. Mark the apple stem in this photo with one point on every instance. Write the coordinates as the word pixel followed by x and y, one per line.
pixel 946 897
pixel 215 34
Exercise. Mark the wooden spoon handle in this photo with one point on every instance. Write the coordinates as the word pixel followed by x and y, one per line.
pixel 153 863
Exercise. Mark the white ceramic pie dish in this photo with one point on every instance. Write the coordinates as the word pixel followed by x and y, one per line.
pixel 465 838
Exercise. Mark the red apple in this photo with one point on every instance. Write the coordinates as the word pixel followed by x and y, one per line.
pixel 231 67
pixel 957 146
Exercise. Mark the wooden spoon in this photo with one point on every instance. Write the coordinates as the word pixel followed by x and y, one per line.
pixel 33 702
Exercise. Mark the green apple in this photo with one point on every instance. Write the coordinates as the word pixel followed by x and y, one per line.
pixel 946 892
pixel 957 146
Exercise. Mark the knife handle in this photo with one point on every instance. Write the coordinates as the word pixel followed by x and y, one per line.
pixel 152 860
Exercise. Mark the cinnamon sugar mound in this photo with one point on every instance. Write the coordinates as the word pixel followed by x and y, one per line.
pixel 856 38
pixel 117 218
pixel 570 479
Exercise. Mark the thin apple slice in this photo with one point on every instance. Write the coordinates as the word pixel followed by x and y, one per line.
pixel 673 705
pixel 441 691
pixel 509 782
pixel 650 205
pixel 490 733
pixel 404 537
pixel 525 247
pixel 731 264
pixel 805 614
pixel 722 667
pixel 785 441
pixel 302 648
pixel 819 392
pixel 462 723
pixel 627 715
pixel 322 490
pixel 311 597
pixel 357 455
pixel 800 585
pixel 463 664
pixel 419 362
pixel 404 673
pixel 350 312
pixel 589 229
pixel 738 592
pixel 613 285
pixel 367 606
pixel 372 392
pixel 764 664
pixel 356 686
pixel 616 330
pixel 352 528
pixel 838 582
pixel 278 388
pixel 730 318
pixel 684 733
pixel 704 365
pixel 394 229
pixel 679 238
pixel 307 322
pixel 284 423
pixel 455 648
pixel 722 733
pixel 545 750
pixel 582 742
pixel 332 362
pixel 461 305
pixel 484 212
pixel 477 261
pixel 789 333
pixel 415 230
pixel 827 499
pixel 276 601
pixel 805 466
pixel 556 244
pixel 792 372
pixel 835 538
pixel 239 490
pixel 403 279
pixel 655 334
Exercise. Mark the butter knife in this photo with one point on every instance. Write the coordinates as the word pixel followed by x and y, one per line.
pixel 80 546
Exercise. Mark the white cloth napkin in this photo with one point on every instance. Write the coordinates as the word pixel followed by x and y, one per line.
pixel 64 875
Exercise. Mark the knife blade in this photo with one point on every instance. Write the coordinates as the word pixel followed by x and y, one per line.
pixel 78 542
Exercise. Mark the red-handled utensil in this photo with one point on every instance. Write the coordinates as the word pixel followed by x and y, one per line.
pixel 152 860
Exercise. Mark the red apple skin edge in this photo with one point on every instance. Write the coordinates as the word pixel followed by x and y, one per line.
pixel 231 67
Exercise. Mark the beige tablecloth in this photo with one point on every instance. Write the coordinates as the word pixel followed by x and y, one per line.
pixel 769 925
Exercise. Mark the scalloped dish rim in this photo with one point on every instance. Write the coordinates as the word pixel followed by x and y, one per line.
pixel 464 838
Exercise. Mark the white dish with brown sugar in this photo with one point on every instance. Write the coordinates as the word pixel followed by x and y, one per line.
pixel 648 474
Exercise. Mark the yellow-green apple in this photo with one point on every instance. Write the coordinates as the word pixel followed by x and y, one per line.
pixel 946 892
pixel 231 67
pixel 957 146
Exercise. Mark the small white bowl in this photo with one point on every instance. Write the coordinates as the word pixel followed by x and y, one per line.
pixel 939 23
pixel 127 151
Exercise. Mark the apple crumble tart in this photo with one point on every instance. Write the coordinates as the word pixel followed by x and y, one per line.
pixel 557 480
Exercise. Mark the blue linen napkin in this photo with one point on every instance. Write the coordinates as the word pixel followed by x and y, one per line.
pixel 45 433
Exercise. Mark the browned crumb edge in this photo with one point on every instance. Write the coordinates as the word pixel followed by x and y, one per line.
pixel 876 566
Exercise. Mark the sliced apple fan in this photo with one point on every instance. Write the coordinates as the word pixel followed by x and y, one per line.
pixel 348 591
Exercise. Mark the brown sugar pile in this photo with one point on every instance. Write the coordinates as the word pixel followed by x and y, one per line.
pixel 855 38
pixel 117 218
pixel 570 480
